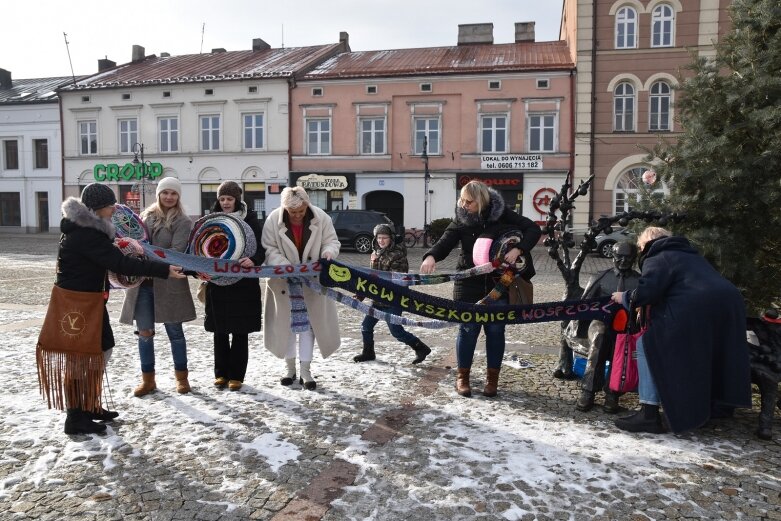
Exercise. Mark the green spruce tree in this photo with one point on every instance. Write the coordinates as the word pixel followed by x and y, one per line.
pixel 724 171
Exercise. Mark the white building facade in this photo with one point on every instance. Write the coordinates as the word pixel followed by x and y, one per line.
pixel 30 166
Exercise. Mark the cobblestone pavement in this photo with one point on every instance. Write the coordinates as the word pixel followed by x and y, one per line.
pixel 383 440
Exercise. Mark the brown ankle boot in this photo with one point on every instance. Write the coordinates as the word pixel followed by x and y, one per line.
pixel 147 384
pixel 492 382
pixel 182 384
pixel 462 382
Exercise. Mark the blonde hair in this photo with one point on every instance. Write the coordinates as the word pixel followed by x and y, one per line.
pixel 294 196
pixel 158 215
pixel 651 233
pixel 478 192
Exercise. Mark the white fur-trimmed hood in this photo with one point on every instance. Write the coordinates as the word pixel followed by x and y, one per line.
pixel 78 214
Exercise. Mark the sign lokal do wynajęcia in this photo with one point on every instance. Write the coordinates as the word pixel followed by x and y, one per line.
pixel 511 162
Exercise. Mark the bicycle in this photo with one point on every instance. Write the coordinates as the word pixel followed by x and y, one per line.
pixel 414 235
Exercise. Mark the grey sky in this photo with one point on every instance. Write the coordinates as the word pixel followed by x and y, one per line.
pixel 33 44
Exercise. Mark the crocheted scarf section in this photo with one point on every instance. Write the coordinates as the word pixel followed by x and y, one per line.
pixel 299 318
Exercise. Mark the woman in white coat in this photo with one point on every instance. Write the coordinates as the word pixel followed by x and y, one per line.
pixel 298 233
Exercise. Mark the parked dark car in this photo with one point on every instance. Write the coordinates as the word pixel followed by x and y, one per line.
pixel 355 228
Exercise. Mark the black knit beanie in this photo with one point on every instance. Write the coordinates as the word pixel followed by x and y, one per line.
pixel 96 196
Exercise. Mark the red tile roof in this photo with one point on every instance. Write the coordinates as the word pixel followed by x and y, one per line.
pixel 510 57
pixel 215 66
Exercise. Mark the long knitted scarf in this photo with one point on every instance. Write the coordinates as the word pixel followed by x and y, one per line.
pixel 299 318
pixel 355 280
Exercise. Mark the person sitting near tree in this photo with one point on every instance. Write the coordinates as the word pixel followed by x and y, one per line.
pixel 602 339
pixel 388 256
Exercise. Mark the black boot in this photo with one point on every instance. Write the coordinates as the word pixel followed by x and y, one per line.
pixel 585 401
pixel 104 415
pixel 77 422
pixel 647 419
pixel 611 402
pixel 367 354
pixel 421 352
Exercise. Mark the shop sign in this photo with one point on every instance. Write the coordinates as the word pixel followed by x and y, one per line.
pixel 511 162
pixel 498 180
pixel 126 172
pixel 322 182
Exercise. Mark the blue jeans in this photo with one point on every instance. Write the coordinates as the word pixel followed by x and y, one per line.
pixel 646 387
pixel 145 319
pixel 494 342
pixel 397 330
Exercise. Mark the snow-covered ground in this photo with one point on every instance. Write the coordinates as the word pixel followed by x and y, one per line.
pixel 405 444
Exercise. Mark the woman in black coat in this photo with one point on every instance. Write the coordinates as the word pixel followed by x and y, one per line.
pixel 234 309
pixel 693 360
pixel 480 209
pixel 85 256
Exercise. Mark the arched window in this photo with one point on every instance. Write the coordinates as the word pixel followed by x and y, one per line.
pixel 630 189
pixel 624 107
pixel 659 106
pixel 662 26
pixel 626 28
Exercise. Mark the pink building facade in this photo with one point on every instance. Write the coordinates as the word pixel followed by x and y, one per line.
pixel 501 113
pixel 630 55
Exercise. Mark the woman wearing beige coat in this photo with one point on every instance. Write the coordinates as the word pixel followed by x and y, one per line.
pixel 298 233
pixel 166 301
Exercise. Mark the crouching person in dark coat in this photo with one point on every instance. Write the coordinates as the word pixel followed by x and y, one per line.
pixel 693 359
pixel 85 256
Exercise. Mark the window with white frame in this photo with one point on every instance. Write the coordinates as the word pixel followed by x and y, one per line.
pixel 662 26
pixel 253 131
pixel 659 102
pixel 626 28
pixel 169 134
pixel 318 136
pixel 210 132
pixel 426 127
pixel 629 189
pixel 542 132
pixel 624 107
pixel 372 135
pixel 40 153
pixel 128 135
pixel 88 137
pixel 493 133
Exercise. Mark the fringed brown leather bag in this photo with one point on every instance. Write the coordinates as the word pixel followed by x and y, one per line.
pixel 69 352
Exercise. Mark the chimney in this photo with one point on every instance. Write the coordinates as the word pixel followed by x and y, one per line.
pixel 469 34
pixel 219 49
pixel 259 45
pixel 5 79
pixel 524 32
pixel 105 64
pixel 344 39
pixel 139 53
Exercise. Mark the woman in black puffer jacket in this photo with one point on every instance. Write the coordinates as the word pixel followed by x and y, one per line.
pixel 480 209
pixel 86 254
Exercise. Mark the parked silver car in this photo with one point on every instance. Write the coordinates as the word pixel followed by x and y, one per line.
pixel 605 242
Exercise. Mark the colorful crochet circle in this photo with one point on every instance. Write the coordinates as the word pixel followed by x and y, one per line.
pixel 129 224
pixel 220 235
pixel 131 248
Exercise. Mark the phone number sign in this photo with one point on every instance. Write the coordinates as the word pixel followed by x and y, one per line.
pixel 511 162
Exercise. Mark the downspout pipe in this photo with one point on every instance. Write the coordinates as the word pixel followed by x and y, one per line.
pixel 592 130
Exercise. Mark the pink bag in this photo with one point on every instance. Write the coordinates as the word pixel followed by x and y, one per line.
pixel 623 368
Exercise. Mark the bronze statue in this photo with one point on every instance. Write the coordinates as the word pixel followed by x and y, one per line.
pixel 592 338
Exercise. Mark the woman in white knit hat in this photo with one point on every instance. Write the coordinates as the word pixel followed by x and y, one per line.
pixel 297 233
pixel 166 301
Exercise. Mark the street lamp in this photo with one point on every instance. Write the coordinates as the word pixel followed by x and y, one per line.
pixel 426 178
pixel 138 149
